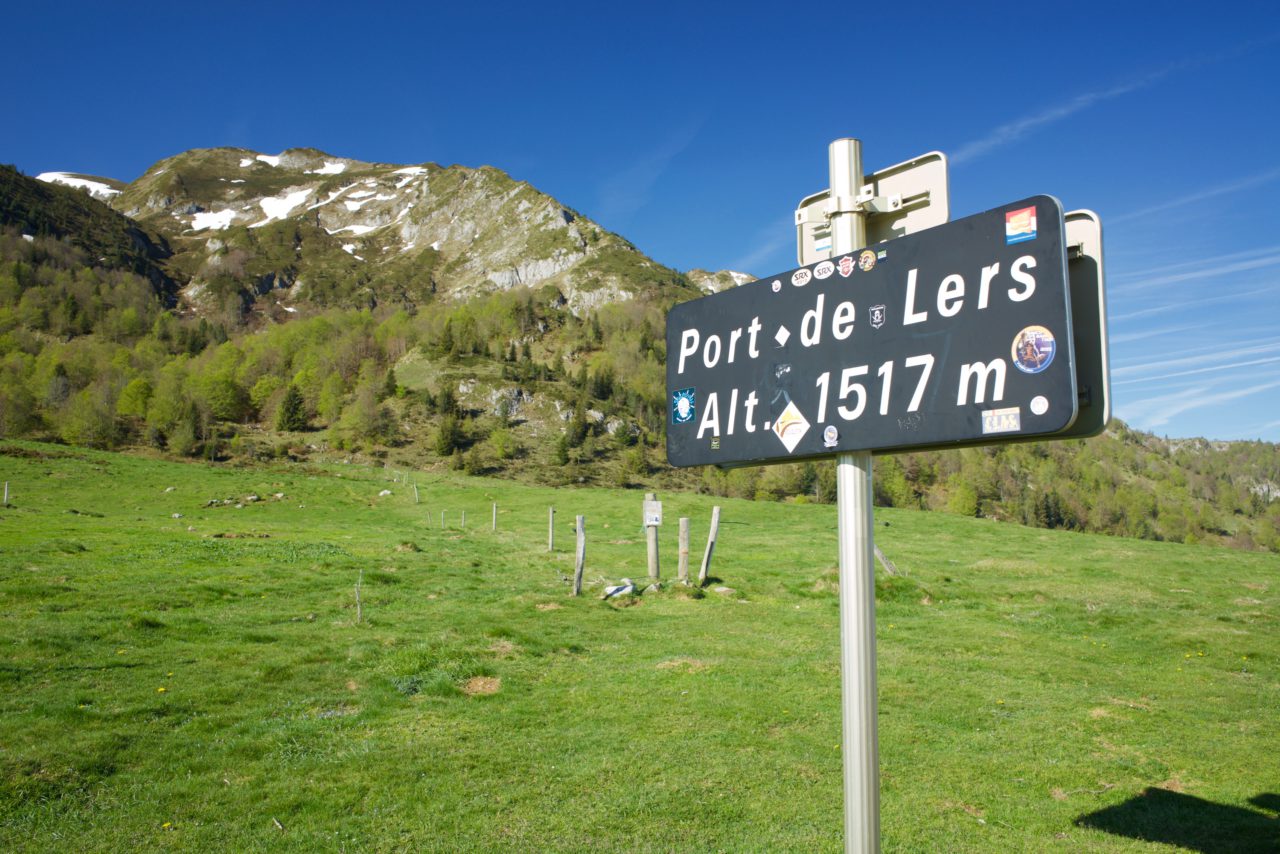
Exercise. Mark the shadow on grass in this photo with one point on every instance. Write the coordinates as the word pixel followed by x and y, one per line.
pixel 1158 815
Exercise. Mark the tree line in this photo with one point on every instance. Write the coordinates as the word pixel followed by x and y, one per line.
pixel 94 356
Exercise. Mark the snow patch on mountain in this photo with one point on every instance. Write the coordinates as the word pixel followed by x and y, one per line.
pixel 97 189
pixel 213 219
pixel 333 197
pixel 279 207
pixel 410 174
pixel 331 167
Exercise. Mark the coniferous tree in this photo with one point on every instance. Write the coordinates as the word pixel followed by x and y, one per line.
pixel 292 414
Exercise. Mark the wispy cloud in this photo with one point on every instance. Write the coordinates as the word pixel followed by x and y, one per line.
pixel 1259 429
pixel 628 190
pixel 1158 411
pixel 1011 132
pixel 1201 195
pixel 1167 307
pixel 1161 365
pixel 1164 375
pixel 1213 271
pixel 1015 130
pixel 769 241
pixel 1197 263
pixel 1160 332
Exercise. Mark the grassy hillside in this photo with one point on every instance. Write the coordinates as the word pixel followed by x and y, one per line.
pixel 106 237
pixel 185 670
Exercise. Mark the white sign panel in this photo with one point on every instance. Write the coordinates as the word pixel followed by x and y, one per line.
pixel 899 200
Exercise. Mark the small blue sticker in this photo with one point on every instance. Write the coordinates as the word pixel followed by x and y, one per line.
pixel 1033 349
pixel 682 406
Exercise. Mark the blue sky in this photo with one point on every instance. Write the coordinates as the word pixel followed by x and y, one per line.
pixel 693 130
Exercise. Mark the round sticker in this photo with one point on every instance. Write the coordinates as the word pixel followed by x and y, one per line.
pixel 1039 404
pixel 1033 349
pixel 824 270
pixel 777 285
pixel 801 277
pixel 830 436
pixel 866 260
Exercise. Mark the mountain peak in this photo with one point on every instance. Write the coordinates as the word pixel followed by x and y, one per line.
pixel 341 231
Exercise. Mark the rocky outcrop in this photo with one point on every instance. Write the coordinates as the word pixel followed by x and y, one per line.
pixel 721 280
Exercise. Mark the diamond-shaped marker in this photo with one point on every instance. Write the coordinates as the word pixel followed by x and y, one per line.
pixel 790 427
pixel 782 335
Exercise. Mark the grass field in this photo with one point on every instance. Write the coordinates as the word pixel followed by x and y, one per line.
pixel 203 683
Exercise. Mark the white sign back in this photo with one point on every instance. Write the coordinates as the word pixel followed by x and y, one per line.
pixel 902 199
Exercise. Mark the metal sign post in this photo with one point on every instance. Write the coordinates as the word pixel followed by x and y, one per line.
pixel 942 334
pixel 859 739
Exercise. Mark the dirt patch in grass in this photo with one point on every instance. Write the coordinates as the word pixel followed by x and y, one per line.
pixel 685 665
pixel 482 686
pixel 503 648
pixel 548 606
pixel 1130 704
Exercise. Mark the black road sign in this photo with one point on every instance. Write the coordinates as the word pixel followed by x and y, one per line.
pixel 957 335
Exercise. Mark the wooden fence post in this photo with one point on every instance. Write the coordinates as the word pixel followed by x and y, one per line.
pixel 682 569
pixel 711 546
pixel 495 515
pixel 551 529
pixel 581 559
pixel 464 518
pixel 415 493
pixel 6 493
pixel 359 608
pixel 651 538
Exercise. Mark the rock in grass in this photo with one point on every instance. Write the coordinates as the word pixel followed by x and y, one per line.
pixel 626 588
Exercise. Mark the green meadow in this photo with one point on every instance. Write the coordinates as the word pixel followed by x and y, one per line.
pixel 185 668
